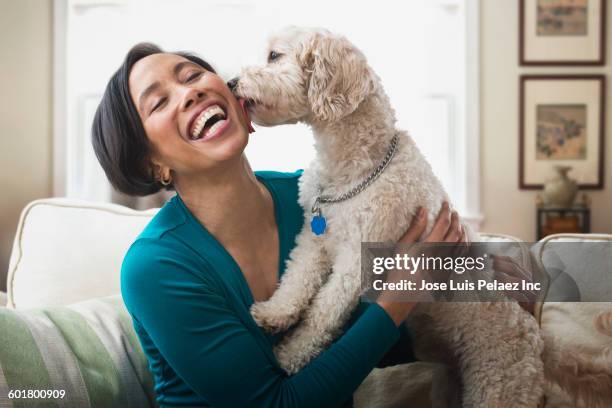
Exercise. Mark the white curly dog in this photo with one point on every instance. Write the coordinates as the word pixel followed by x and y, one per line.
pixel 321 79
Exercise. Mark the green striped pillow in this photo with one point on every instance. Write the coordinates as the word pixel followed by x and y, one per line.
pixel 88 349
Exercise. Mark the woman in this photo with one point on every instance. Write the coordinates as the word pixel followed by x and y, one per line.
pixel 221 244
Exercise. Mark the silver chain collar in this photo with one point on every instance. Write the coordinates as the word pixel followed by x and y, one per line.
pixel 322 199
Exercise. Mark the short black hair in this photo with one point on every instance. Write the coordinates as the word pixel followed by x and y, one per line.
pixel 118 136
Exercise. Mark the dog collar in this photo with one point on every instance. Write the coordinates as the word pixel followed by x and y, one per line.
pixel 318 223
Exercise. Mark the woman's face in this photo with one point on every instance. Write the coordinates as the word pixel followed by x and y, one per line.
pixel 190 116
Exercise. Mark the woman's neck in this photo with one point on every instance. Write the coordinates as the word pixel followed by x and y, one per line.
pixel 230 203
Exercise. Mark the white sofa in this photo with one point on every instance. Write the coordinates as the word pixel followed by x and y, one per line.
pixel 68 251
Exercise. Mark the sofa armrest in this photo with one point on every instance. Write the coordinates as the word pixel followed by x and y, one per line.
pixel 3 299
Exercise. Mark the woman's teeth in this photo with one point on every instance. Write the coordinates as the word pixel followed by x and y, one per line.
pixel 213 129
pixel 200 122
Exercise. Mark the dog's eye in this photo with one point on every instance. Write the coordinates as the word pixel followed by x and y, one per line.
pixel 273 56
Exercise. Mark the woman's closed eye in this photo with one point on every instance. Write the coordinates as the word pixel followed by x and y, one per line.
pixel 192 76
pixel 158 104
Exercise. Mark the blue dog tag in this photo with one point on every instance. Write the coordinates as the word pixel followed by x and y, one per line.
pixel 318 224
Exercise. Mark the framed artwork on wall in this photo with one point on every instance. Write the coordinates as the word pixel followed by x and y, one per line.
pixel 561 122
pixel 562 32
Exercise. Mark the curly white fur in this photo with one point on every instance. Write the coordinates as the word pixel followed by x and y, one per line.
pixel 578 354
pixel 321 79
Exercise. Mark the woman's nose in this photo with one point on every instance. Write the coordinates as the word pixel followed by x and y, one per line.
pixel 192 97
pixel 232 83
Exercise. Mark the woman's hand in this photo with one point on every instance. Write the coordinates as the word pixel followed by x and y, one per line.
pixel 447 228
pixel 508 271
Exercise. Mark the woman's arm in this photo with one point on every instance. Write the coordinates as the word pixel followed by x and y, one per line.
pixel 208 346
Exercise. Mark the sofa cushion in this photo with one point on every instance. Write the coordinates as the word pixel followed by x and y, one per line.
pixel 88 349
pixel 578 265
pixel 66 251
pixel 578 270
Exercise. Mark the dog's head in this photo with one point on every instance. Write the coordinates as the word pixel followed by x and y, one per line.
pixel 311 76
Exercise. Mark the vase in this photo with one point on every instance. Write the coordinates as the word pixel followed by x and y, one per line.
pixel 560 190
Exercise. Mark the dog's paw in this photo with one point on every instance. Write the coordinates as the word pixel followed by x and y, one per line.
pixel 290 357
pixel 603 323
pixel 272 318
pixel 299 347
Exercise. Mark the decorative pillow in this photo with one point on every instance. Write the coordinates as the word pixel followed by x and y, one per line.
pixel 579 266
pixel 88 352
pixel 58 239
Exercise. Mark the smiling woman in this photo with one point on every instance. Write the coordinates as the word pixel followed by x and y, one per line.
pixel 153 100
pixel 219 245
pixel 132 174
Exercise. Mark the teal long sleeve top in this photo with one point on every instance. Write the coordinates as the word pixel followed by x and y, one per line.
pixel 190 302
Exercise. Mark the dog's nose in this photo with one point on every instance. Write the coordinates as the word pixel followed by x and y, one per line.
pixel 232 83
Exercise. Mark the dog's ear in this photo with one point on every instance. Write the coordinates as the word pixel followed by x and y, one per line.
pixel 340 78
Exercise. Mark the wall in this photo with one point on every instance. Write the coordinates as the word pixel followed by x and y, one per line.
pixel 25 112
pixel 506 208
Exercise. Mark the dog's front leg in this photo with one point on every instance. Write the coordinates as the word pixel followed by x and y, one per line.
pixel 306 270
pixel 326 316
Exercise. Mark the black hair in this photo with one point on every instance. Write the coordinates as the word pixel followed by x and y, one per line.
pixel 118 136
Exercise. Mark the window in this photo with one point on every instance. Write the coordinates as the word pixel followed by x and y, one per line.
pixel 425 52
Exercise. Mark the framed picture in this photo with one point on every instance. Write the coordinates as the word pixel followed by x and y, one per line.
pixel 562 32
pixel 561 123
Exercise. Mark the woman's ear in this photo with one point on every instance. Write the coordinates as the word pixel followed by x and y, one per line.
pixel 160 172
pixel 340 78
pixel 247 116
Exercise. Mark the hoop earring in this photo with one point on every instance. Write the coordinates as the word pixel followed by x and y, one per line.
pixel 165 182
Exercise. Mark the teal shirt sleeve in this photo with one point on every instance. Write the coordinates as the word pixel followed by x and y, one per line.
pixel 193 325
